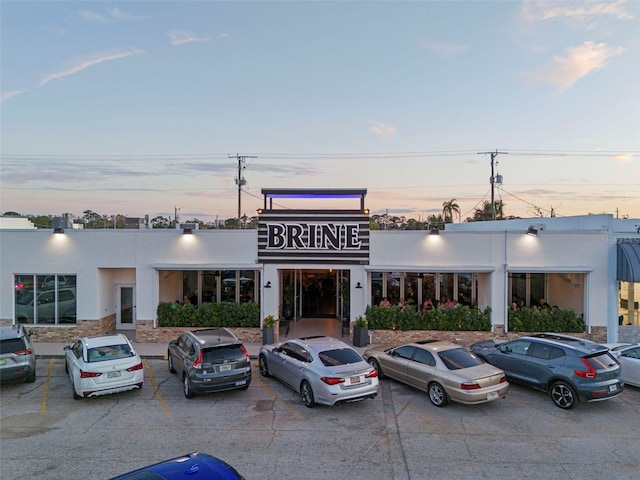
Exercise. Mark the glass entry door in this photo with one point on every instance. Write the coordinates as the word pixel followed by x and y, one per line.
pixel 126 310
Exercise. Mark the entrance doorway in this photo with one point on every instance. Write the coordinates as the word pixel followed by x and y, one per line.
pixel 125 311
pixel 317 293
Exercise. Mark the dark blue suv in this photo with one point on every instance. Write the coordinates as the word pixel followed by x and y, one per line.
pixel 569 369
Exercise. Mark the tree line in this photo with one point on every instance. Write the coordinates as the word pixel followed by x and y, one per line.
pixel 450 211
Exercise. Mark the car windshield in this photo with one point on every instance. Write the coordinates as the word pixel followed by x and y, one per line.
pixel 457 358
pixel 339 356
pixel 110 352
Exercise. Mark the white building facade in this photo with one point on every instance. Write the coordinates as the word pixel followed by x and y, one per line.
pixel 319 263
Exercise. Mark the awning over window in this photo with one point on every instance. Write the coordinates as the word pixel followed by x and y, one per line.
pixel 628 262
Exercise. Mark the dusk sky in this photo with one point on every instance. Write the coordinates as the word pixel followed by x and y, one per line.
pixel 140 107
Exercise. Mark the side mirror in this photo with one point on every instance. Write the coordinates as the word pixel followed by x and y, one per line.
pixel 504 349
pixel 277 350
pixel 67 347
pixel 32 332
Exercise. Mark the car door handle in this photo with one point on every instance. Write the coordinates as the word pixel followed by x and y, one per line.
pixel 551 367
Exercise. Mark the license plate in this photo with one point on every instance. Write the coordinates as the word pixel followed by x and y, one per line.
pixel 241 382
pixel 3 361
pixel 113 374
pixel 355 380
pixel 225 368
pixel 492 395
pixel 613 388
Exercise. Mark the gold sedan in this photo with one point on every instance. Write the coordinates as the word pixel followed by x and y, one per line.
pixel 446 371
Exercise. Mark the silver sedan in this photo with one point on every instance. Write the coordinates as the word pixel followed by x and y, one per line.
pixel 324 370
pixel 628 354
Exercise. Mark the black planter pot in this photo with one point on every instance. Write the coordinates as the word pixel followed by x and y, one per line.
pixel 268 336
pixel 360 336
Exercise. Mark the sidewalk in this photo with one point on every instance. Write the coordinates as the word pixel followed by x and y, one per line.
pixel 145 350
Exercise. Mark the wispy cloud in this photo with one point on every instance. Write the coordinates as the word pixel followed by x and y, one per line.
pixel 446 50
pixel 10 94
pixel 547 10
pixel 180 37
pixel 383 130
pixel 223 35
pixel 114 15
pixel 89 61
pixel 578 62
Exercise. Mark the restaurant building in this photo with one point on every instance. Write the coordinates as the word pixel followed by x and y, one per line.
pixel 315 262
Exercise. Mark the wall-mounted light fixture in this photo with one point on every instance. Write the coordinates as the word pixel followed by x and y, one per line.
pixel 260 211
pixel 366 211
pixel 358 285
pixel 268 284
pixel 187 231
pixel 58 230
pixel 434 231
pixel 532 231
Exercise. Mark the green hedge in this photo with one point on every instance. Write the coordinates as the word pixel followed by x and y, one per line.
pixel 545 320
pixel 450 319
pixel 223 314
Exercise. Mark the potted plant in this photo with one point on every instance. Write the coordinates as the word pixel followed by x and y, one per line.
pixel 268 330
pixel 361 332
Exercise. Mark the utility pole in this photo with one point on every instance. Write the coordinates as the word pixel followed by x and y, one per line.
pixel 493 178
pixel 240 181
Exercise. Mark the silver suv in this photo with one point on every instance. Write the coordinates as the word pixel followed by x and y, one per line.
pixel 210 360
pixel 17 357
pixel 569 369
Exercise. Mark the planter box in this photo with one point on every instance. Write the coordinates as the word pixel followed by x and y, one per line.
pixel 268 336
pixel 360 336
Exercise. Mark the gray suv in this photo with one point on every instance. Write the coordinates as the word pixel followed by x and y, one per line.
pixel 569 369
pixel 17 357
pixel 210 360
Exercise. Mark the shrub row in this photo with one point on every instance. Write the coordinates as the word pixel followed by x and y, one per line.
pixel 223 314
pixel 545 320
pixel 449 319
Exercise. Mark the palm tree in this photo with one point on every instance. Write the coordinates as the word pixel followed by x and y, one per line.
pixel 448 209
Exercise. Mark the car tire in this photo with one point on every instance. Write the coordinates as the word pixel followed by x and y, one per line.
pixel 66 367
pixel 374 363
pixel 186 386
pixel 31 378
pixel 264 367
pixel 75 395
pixel 437 395
pixel 170 362
pixel 564 395
pixel 306 394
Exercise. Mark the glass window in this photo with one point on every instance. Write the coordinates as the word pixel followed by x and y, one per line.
pixel 190 287
pixel 339 356
pixel 446 286
pixel 247 285
pixel 411 289
pixel 376 288
pixel 458 358
pixel 209 287
pixel 465 289
pixel 519 288
pixel 45 299
pixel 228 286
pixel 537 287
pixel 428 287
pixel 393 287
pixel 425 357
pixel 404 352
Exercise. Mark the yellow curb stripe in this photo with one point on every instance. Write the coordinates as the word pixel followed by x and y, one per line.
pixel 45 388
pixel 154 384
pixel 279 398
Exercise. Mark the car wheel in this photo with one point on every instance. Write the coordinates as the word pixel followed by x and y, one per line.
pixel 31 378
pixel 437 395
pixel 374 363
pixel 563 395
pixel 170 362
pixel 186 384
pixel 306 393
pixel 264 368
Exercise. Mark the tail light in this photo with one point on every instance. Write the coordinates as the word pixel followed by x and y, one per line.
pixel 372 374
pixel 84 374
pixel 503 379
pixel 28 351
pixel 332 380
pixel 135 367
pixel 246 354
pixel 197 364
pixel 469 385
pixel 589 373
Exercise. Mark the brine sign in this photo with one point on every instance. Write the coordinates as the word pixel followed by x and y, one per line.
pixel 314 240
pixel 313 236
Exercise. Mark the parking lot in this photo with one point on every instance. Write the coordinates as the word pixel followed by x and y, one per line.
pixel 266 432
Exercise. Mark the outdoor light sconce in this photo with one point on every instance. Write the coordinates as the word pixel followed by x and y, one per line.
pixel 434 231
pixel 532 231
pixel 268 284
pixel 58 230
pixel 187 231
pixel 366 211
pixel 260 211
pixel 358 285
